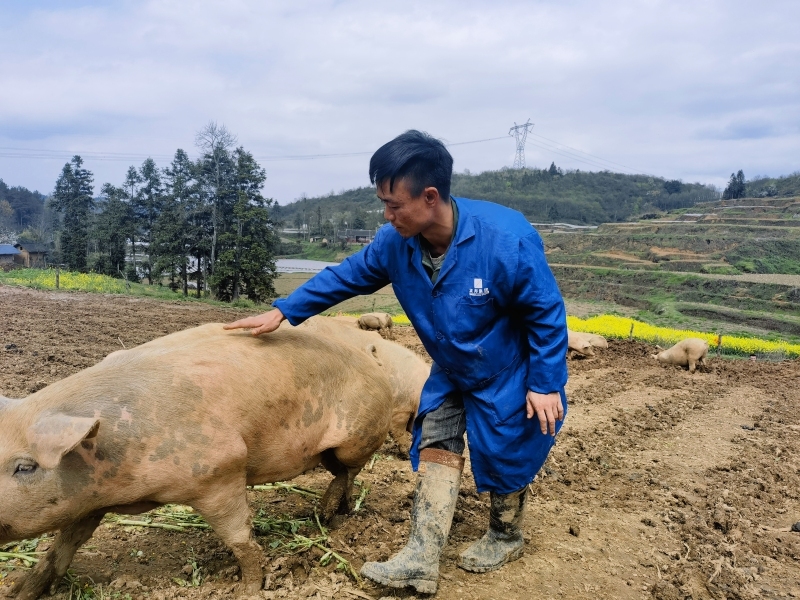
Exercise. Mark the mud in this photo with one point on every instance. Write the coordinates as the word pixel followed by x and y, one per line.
pixel 662 484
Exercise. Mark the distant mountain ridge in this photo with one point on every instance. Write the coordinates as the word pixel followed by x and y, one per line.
pixel 542 195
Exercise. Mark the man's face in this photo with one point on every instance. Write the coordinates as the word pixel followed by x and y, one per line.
pixel 408 214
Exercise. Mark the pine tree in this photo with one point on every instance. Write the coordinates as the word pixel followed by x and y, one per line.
pixel 674 186
pixel 178 231
pixel 73 199
pixel 131 187
pixel 148 204
pixel 737 187
pixel 360 220
pixel 216 143
pixel 113 229
pixel 245 264
pixel 741 186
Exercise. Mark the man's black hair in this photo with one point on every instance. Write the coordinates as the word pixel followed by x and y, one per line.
pixel 418 158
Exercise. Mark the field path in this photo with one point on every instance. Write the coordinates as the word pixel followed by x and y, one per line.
pixel 780 279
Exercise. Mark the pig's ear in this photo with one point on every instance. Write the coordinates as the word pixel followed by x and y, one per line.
pixel 372 350
pixel 53 436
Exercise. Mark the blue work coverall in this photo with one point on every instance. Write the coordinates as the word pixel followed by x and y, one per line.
pixel 494 324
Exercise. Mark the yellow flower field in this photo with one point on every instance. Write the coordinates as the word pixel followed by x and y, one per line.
pixel 45 279
pixel 613 326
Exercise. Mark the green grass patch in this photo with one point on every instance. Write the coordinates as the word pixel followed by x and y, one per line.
pixel 329 253
pixel 720 269
pixel 48 279
pixel 93 283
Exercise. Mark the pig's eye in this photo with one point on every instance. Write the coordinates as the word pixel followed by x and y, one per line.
pixel 25 468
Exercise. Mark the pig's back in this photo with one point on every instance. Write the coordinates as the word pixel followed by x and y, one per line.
pixel 287 396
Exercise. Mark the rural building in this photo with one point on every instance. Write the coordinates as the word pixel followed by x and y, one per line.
pixel 7 254
pixel 32 255
pixel 356 236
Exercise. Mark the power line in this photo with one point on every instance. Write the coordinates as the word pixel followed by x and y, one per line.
pixel 566 154
pixel 502 137
pixel 519 160
pixel 592 155
pixel 45 154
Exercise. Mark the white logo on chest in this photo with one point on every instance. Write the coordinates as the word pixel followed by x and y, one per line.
pixel 478 289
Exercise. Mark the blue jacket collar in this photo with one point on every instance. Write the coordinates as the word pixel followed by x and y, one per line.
pixel 464 231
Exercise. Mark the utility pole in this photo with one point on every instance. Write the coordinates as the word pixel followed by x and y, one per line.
pixel 520 133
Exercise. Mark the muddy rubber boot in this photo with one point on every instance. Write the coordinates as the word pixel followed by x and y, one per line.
pixel 503 542
pixel 417 565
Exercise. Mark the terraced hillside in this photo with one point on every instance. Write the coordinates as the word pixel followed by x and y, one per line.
pixel 730 265
pixel 730 237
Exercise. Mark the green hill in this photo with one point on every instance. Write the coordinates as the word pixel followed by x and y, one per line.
pixel 542 195
pixel 762 186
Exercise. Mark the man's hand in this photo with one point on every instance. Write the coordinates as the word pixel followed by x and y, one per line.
pixel 263 323
pixel 547 407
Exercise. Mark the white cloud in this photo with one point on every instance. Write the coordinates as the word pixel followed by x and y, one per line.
pixel 680 89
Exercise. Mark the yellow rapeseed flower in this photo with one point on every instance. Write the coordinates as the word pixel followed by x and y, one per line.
pixel 45 279
pixel 620 327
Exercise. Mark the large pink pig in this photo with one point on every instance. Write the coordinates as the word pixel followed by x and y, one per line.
pixel 190 418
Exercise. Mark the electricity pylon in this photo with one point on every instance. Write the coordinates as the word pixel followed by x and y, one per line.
pixel 520 133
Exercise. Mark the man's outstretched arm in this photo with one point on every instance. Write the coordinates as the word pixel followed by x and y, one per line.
pixel 361 273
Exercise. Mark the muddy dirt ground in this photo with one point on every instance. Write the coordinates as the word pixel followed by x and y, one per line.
pixel 662 484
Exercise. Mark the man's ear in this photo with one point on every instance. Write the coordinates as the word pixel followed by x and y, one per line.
pixel 431 195
pixel 53 436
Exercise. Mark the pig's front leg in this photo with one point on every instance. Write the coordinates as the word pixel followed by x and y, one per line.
pixel 54 565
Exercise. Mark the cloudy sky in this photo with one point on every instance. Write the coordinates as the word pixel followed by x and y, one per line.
pixel 687 90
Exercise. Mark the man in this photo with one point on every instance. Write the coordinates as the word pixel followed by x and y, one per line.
pixel 473 280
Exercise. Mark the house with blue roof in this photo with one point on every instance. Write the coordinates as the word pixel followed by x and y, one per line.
pixel 7 254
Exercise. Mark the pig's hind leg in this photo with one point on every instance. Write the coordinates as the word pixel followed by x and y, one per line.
pixel 345 463
pixel 336 499
pixel 54 565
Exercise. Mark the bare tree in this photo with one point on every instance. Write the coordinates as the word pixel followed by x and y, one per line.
pixel 216 144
